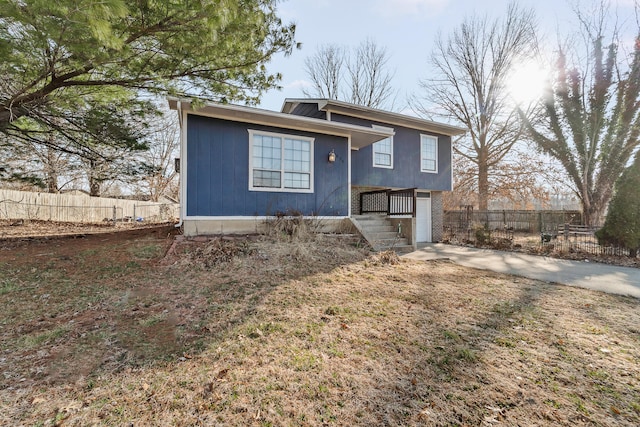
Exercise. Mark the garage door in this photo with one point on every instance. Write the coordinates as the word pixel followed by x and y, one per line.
pixel 423 217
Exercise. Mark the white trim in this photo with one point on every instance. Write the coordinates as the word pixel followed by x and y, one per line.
pixel 373 114
pixel 349 176
pixel 261 217
pixel 373 148
pixel 435 138
pixel 282 188
pixel 361 135
pixel 183 162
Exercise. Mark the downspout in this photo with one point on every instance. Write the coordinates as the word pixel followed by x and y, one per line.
pixel 180 195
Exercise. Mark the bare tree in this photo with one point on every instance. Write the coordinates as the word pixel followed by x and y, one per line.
pixel 159 177
pixel 472 67
pixel 325 70
pixel 360 75
pixel 523 180
pixel 28 165
pixel 369 79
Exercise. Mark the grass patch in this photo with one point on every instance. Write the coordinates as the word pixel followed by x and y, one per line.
pixel 146 252
pixel 311 332
pixel 34 340
pixel 8 286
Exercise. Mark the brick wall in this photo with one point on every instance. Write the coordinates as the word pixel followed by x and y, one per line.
pixel 437 216
pixel 355 197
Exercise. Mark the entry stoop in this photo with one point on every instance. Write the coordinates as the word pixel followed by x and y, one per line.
pixel 380 233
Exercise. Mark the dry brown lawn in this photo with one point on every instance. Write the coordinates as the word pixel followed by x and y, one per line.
pixel 108 330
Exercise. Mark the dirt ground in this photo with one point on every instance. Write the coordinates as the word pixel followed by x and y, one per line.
pixel 142 327
pixel 32 230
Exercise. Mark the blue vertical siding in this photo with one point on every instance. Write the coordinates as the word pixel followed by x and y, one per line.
pixel 406 160
pixel 218 173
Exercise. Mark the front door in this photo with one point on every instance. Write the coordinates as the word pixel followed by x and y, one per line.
pixel 423 217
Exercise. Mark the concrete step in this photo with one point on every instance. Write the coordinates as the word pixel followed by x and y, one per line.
pixel 370 216
pixel 369 219
pixel 401 249
pixel 382 235
pixel 380 228
pixel 389 242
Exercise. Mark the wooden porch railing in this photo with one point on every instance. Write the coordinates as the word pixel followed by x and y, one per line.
pixel 390 202
pixel 402 202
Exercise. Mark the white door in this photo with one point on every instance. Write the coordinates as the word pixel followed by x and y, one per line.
pixel 423 219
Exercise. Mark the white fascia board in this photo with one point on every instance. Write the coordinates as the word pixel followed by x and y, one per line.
pixel 361 136
pixel 183 161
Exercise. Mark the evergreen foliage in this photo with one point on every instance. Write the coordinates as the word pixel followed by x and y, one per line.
pixel 53 54
pixel 622 226
pixel 76 75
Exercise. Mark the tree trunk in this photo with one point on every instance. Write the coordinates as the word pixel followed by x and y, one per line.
pixel 51 171
pixel 483 183
pixel 94 188
pixel 593 213
pixel 52 183
pixel 94 182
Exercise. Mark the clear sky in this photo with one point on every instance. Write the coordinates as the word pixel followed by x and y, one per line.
pixel 407 28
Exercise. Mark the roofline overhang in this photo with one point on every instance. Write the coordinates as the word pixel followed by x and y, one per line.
pixel 360 136
pixel 353 110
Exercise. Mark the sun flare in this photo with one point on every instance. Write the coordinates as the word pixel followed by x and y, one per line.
pixel 527 81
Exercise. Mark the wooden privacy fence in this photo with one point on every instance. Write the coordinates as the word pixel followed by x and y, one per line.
pixel 514 220
pixel 81 208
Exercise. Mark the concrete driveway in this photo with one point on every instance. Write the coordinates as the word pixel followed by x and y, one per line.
pixel 590 275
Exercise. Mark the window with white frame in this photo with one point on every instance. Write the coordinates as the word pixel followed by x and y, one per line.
pixel 383 151
pixel 279 162
pixel 428 153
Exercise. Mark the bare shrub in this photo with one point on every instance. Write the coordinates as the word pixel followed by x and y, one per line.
pixel 387 257
pixel 218 251
pixel 290 224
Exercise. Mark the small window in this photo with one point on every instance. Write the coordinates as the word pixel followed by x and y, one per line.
pixel 428 153
pixel 383 151
pixel 280 162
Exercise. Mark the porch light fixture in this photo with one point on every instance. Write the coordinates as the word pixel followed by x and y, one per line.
pixel 332 156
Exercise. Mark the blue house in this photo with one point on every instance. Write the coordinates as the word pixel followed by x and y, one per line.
pixel 330 160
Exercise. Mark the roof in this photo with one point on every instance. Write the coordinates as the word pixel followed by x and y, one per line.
pixel 360 136
pixel 354 110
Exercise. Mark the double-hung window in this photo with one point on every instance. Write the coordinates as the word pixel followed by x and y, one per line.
pixel 383 151
pixel 428 153
pixel 279 162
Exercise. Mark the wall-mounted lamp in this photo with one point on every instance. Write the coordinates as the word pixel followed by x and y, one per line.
pixel 332 156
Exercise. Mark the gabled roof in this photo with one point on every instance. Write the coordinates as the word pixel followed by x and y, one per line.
pixel 360 136
pixel 353 110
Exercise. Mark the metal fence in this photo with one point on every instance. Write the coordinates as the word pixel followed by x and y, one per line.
pixel 513 220
pixel 85 209
pixel 546 231
pixel 478 235
pixel 390 202
pixel 578 239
